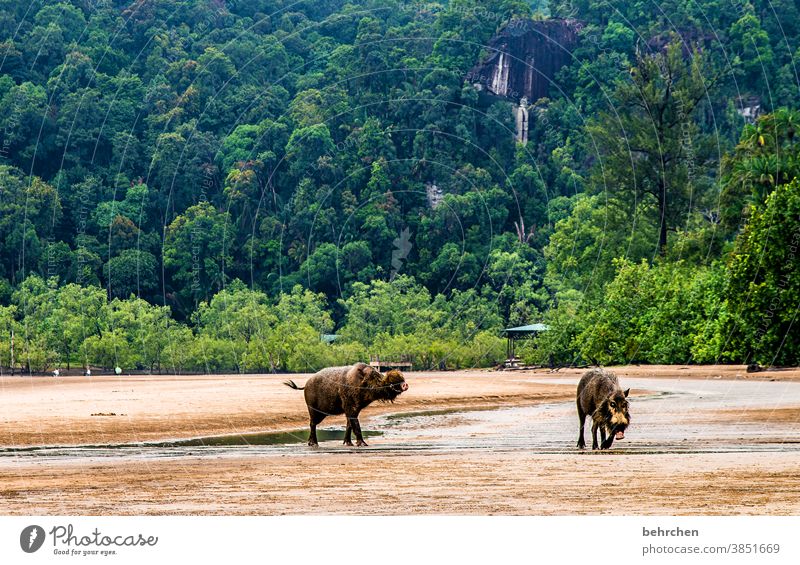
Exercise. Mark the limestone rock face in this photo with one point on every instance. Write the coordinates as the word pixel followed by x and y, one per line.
pixel 525 57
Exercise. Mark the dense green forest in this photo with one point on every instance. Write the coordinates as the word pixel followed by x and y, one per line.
pixel 212 185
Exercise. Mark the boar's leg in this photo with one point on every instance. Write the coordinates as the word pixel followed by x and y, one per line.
pixel 602 436
pixel 315 418
pixel 594 434
pixel 606 443
pixel 312 437
pixel 582 420
pixel 357 429
pixel 347 434
pixel 353 421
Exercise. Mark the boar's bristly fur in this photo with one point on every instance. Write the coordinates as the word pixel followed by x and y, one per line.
pixel 347 390
pixel 601 397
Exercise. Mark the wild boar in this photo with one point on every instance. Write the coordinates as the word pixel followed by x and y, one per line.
pixel 347 390
pixel 601 397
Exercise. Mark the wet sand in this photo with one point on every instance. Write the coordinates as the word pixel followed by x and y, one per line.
pixel 378 483
pixel 702 441
pixel 77 410
pixel 713 372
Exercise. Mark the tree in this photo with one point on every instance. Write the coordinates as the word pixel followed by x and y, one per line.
pixel 400 306
pixel 111 349
pixel 763 288
pixel 135 206
pixel 30 210
pixel 236 317
pixel 28 125
pixel 132 272
pixel 648 147
pixel 751 46
pixel 302 306
pixel 320 270
pixel 197 248
pixel 295 343
pixel 766 156
pixel 583 245
pixel 8 327
pixel 34 342
pixel 78 314
pixel 149 331
pixel 306 146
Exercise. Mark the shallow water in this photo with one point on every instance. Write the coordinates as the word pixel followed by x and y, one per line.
pixel 675 416
pixel 182 446
pixel 264 438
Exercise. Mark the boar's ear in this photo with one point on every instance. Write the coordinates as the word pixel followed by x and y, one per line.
pixel 626 393
pixel 392 375
pixel 370 375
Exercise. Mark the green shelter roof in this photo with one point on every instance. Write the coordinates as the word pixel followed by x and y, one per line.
pixel 526 330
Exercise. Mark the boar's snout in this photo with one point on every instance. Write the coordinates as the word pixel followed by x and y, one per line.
pixel 620 418
pixel 399 388
pixel 395 383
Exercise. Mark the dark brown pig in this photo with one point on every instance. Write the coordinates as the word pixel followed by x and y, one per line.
pixel 601 397
pixel 348 390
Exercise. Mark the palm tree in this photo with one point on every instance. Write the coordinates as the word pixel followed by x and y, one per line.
pixel 765 157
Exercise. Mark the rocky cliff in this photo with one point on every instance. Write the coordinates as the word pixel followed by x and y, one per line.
pixel 525 57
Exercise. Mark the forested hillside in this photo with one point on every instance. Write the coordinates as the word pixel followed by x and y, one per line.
pixel 211 185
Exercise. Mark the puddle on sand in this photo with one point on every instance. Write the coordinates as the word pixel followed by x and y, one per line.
pixel 266 438
pixel 441 412
pixel 288 437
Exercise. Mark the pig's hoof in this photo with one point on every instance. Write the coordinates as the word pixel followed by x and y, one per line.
pixel 348 443
pixel 313 444
pixel 360 443
pixel 581 445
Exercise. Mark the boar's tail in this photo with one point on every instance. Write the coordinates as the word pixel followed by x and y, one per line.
pixel 291 384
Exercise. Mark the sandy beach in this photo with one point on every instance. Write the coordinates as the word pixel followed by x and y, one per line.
pixel 705 440
pixel 78 410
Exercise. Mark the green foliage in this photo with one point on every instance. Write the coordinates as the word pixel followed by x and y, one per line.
pixel 30 210
pixel 583 245
pixel 133 207
pixel 558 345
pixel 763 288
pixel 649 151
pixel 8 326
pixel 131 272
pixel 766 156
pixel 196 250
pixel 111 349
pixel 155 153
pixel 147 329
pixel 401 306
pixel 648 314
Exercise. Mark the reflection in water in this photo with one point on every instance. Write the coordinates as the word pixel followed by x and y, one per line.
pixel 265 438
